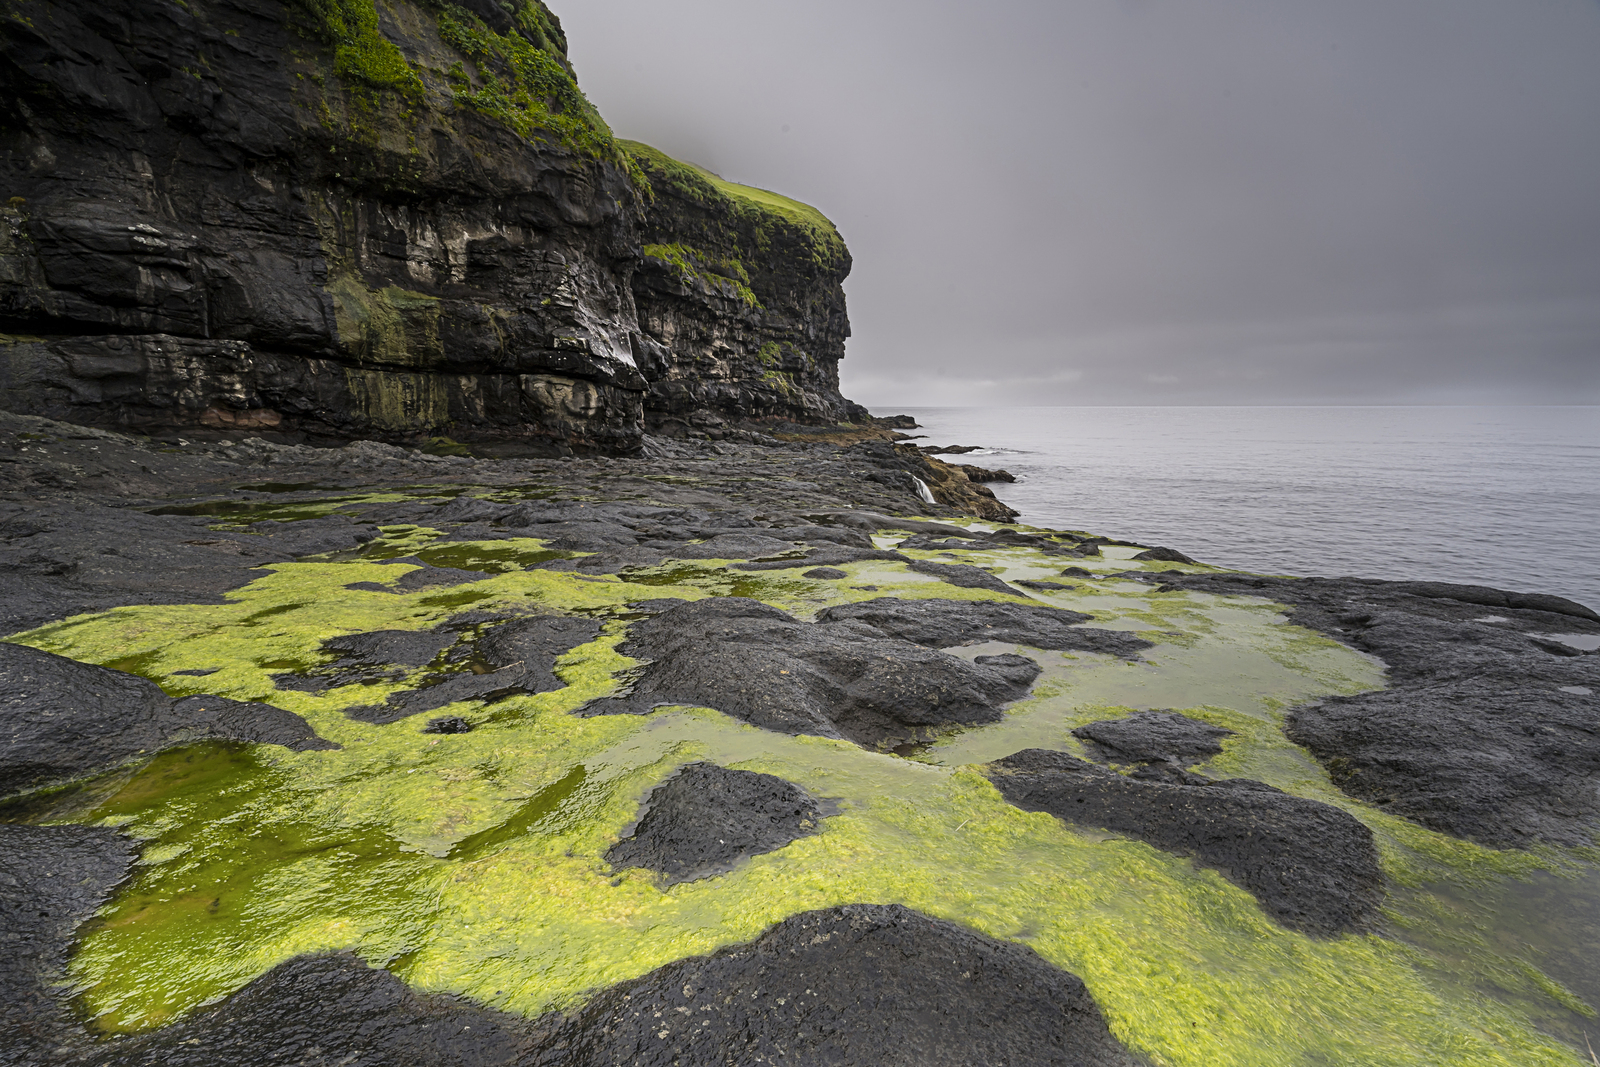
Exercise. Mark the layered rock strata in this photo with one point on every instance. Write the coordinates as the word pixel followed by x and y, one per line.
pixel 337 220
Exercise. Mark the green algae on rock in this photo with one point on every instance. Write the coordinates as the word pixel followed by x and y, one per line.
pixel 475 863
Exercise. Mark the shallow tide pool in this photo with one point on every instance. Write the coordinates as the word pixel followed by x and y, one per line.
pixel 474 863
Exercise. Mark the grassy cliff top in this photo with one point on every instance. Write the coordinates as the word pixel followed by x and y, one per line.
pixel 701 185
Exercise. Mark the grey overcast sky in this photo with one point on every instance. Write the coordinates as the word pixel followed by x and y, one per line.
pixel 1158 201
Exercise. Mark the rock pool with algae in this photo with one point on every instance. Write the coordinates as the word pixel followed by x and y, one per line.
pixel 473 863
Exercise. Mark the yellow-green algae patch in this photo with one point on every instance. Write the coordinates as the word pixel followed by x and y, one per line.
pixel 474 863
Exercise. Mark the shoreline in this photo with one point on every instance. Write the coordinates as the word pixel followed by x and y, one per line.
pixel 533 636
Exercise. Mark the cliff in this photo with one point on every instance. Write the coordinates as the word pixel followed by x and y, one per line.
pixel 333 219
pixel 740 303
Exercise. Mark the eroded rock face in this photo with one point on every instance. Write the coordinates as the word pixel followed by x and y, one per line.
pixel 63 719
pixel 1486 731
pixel 947 623
pixel 844 679
pixel 859 984
pixel 259 218
pixel 705 819
pixel 1311 866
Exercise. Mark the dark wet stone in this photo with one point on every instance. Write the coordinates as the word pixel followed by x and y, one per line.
pixel 756 663
pixel 310 537
pixel 1163 555
pixel 705 819
pixel 825 556
pixel 939 543
pixel 1311 866
pixel 1510 767
pixel 1476 736
pixel 1031 583
pixel 656 605
pixel 426 575
pixel 515 657
pixel 448 724
pixel 1077 572
pixel 855 985
pixel 963 575
pixel 823 535
pixel 825 573
pixel 1146 736
pixel 62 719
pixel 746 544
pixel 946 623
pixel 535 642
pixel 440 690
pixel 404 648
pixel 52 878
pixel 323 1011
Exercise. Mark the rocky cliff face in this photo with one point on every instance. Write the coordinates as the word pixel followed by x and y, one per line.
pixel 329 219
pixel 740 303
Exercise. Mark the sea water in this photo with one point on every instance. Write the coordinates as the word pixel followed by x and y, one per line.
pixel 1501 496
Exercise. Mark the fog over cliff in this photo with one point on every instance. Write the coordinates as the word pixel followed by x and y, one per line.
pixel 1145 201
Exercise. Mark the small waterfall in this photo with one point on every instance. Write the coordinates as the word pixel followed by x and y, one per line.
pixel 923 491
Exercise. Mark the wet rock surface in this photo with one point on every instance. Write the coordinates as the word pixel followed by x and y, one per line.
pixel 844 679
pixel 859 984
pixel 52 879
pixel 1153 737
pixel 61 719
pixel 61 558
pixel 947 623
pixel 705 819
pixel 322 1011
pixel 1311 866
pixel 510 657
pixel 1477 735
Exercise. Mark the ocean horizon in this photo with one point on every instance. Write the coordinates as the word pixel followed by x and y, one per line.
pixel 1488 495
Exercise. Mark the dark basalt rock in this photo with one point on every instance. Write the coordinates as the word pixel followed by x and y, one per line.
pixel 535 642
pixel 860 984
pixel 1153 736
pixel 975 473
pixel 52 878
pixel 1163 555
pixel 846 680
pixel 824 556
pixel 1476 737
pixel 705 819
pixel 1311 866
pixel 947 623
pixel 322 1011
pixel 963 575
pixel 825 573
pixel 61 559
pixel 1043 587
pixel 1509 767
pixel 405 648
pixel 448 724
pixel 514 657
pixel 424 576
pixel 62 719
